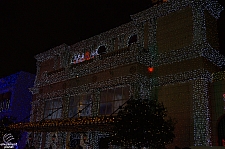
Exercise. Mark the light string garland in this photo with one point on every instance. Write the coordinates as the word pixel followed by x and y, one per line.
pixel 98 123
pixel 135 54
pixel 201 113
pixel 218 76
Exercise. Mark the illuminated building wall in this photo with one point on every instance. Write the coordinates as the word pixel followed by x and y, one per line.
pixel 15 98
pixel 178 39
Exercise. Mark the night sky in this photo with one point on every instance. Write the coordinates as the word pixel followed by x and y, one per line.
pixel 29 27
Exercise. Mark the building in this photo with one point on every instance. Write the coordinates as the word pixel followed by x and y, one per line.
pixel 15 98
pixel 169 51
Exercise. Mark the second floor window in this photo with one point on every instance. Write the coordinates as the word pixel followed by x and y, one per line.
pixel 132 39
pixel 80 103
pixel 5 101
pixel 111 99
pixel 53 108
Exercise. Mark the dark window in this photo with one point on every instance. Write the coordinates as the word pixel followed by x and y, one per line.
pixel 111 99
pixel 133 39
pixel 5 101
pixel 82 103
pixel 74 139
pixel 53 109
pixel 103 143
pixel 101 50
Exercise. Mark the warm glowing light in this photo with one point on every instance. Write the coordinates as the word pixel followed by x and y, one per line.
pixel 223 95
pixel 150 69
pixel 223 142
pixel 87 55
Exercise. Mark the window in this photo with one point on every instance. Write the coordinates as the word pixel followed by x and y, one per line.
pixel 82 103
pixel 74 139
pixel 53 108
pixel 111 99
pixel 5 101
pixel 101 50
pixel 132 39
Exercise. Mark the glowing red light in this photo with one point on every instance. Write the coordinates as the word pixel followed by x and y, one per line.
pixel 223 142
pixel 223 95
pixel 150 69
pixel 87 55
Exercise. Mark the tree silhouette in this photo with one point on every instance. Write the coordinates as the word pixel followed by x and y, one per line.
pixel 143 123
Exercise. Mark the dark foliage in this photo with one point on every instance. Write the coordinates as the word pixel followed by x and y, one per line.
pixel 143 123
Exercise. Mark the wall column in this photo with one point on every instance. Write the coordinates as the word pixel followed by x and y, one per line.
pixel 201 113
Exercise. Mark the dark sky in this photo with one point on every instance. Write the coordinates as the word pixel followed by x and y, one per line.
pixel 29 27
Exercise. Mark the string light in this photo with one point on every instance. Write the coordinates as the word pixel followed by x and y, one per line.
pixel 140 84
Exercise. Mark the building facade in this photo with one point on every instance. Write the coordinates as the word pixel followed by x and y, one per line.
pixel 15 99
pixel 169 51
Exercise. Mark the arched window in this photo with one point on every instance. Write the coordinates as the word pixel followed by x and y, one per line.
pixel 133 39
pixel 101 50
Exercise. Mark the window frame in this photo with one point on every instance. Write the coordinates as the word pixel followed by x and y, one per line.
pixel 79 104
pixel 114 102
pixel 58 110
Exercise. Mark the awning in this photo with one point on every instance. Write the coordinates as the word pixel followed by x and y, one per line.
pixel 82 124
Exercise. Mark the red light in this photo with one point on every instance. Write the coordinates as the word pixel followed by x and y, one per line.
pixel 87 55
pixel 150 69
pixel 223 142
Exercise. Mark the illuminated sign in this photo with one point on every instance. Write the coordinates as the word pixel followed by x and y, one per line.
pixel 83 57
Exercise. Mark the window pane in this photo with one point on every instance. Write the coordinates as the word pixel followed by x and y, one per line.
pixel 72 111
pixel 110 95
pixel 109 108
pixel 102 109
pixel 53 107
pixel 57 103
pixel 88 97
pixel 82 99
pixel 85 112
pixel 80 102
pixel 59 113
pixel 126 93
pixel 4 104
pixel 73 106
pixel 51 113
pixel 103 97
pixel 118 93
pixel 7 104
pixel 72 101
pixel 48 104
pixel 54 114
pixel 46 113
pixel 117 104
pixel 85 101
